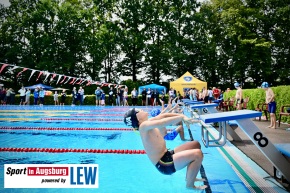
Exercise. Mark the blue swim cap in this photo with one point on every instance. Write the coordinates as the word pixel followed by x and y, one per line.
pixel 237 84
pixel 155 112
pixel 265 85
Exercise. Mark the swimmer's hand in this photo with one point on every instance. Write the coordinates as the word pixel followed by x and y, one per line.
pixel 188 121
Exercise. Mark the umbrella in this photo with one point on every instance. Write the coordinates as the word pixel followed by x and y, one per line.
pixel 59 89
pixel 45 87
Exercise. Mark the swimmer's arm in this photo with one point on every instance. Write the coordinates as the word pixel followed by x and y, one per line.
pixel 161 123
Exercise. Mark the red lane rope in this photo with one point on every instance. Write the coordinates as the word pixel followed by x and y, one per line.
pixel 66 128
pixel 66 150
pixel 78 119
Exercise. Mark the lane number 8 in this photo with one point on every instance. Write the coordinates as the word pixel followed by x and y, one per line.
pixel 262 141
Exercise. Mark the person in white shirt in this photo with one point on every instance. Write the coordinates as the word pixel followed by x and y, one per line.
pixel 134 95
pixel 22 95
pixel 55 98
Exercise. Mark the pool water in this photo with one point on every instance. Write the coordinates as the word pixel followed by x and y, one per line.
pixel 118 173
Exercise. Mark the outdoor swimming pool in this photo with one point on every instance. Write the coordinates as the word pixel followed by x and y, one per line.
pixel 87 128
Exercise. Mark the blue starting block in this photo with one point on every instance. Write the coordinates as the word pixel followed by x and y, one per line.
pixel 204 108
pixel 211 108
pixel 275 154
pixel 192 102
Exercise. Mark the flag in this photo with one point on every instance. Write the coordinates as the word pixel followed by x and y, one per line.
pixel 3 66
pixel 24 69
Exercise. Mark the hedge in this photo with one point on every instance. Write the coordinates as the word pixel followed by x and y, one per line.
pixel 256 96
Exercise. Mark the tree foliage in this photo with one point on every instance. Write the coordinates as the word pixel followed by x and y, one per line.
pixel 217 41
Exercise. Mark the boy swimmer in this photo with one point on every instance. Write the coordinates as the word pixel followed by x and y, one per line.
pixel 167 162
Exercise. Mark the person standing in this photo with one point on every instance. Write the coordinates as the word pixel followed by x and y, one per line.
pixel 63 97
pixel 117 97
pixel 125 96
pixel 210 95
pixel 270 100
pixel 144 94
pixel 81 93
pixel 41 96
pixel 12 97
pixel 22 95
pixel 74 96
pixel 121 95
pixel 103 98
pixel 55 98
pixel 36 96
pixel 239 96
pixel 98 93
pixel 148 97
pixel 111 95
pixel 134 96
pixel 27 97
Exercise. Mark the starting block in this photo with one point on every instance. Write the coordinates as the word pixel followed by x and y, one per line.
pixel 204 108
pixel 243 118
pixel 211 108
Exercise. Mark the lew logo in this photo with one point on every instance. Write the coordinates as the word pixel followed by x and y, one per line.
pixel 129 121
pixel 187 78
pixel 51 176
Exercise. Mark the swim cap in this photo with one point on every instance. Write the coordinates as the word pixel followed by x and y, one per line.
pixel 237 84
pixel 130 118
pixel 265 85
pixel 155 112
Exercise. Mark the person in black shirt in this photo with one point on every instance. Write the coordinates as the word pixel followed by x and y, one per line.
pixel 144 93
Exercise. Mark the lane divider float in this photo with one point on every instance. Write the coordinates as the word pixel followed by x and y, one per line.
pixel 69 150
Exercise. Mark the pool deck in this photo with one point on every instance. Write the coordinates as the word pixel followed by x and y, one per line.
pixel 278 135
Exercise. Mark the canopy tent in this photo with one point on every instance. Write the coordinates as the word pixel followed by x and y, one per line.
pixel 45 87
pixel 159 88
pixel 187 81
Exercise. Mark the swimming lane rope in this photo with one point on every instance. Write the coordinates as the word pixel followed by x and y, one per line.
pixel 66 128
pixel 67 150
pixel 78 119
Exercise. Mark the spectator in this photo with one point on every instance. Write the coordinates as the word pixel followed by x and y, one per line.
pixel 210 95
pixel 134 96
pixel 27 97
pixel 125 96
pixel 22 92
pixel 121 95
pixel 74 96
pixel 144 94
pixel 3 96
pixel 148 97
pixel 111 95
pixel 12 97
pixel 36 96
pixel 81 93
pixel 117 97
pixel 55 98
pixel 8 96
pixel 63 97
pixel 103 98
pixel 98 93
pixel 41 96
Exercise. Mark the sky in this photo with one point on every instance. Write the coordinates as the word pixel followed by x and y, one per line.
pixel 5 2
